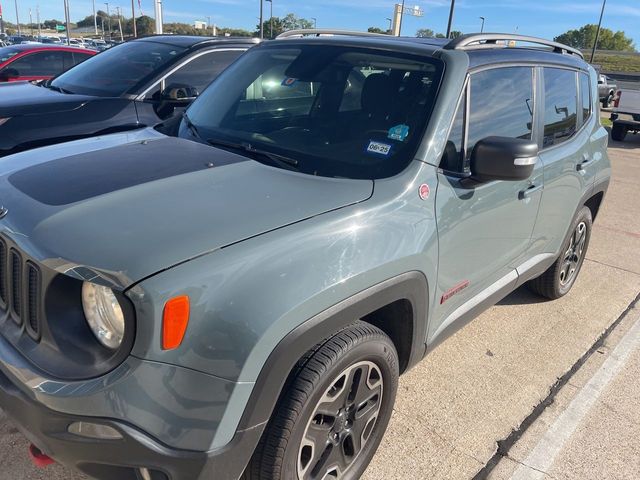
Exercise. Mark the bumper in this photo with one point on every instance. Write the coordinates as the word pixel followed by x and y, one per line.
pixel 120 459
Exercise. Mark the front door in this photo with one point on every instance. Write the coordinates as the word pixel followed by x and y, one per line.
pixel 484 229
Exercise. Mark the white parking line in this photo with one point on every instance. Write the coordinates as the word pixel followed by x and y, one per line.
pixel 541 458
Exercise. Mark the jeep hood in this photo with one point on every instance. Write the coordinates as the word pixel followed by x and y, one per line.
pixel 129 205
pixel 25 98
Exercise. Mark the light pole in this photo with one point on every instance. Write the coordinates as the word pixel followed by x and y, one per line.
pixel 67 21
pixel 31 22
pixel 133 19
pixel 18 19
pixel 108 20
pixel 315 22
pixel 482 27
pixel 595 44
pixel 38 20
pixel 390 24
pixel 159 17
pixel 453 6
pixel 261 21
pixel 270 19
pixel 401 16
pixel 95 19
pixel 120 24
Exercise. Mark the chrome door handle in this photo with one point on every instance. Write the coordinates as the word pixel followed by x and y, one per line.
pixel 529 191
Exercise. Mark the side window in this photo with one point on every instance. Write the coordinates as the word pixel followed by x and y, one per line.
pixel 585 92
pixel 201 71
pixel 453 154
pixel 560 106
pixel 80 57
pixel 46 64
pixel 501 105
pixel 67 60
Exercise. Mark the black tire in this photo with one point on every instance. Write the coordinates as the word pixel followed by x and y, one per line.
pixel 560 277
pixel 287 449
pixel 618 132
pixel 607 101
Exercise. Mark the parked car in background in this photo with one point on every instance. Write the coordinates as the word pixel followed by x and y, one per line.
pixel 606 90
pixel 136 84
pixel 77 42
pixel 238 301
pixel 626 114
pixel 38 62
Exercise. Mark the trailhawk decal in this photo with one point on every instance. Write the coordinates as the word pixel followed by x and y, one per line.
pixel 453 291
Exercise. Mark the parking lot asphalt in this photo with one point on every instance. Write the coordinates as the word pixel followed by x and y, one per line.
pixel 491 376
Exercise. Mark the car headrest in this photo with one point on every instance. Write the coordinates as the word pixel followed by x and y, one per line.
pixel 376 94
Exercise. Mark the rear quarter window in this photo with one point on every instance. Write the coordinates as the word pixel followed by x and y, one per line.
pixel 585 93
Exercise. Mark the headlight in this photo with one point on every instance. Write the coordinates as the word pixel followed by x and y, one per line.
pixel 104 314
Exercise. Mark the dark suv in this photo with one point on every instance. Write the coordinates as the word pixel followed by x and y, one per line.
pixel 136 84
pixel 240 299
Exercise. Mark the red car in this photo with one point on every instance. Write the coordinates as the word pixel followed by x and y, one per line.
pixel 38 62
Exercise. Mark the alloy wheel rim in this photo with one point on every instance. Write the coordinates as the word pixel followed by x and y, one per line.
pixel 573 254
pixel 341 423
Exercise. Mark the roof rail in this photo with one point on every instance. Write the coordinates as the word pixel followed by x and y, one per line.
pixel 328 31
pixel 489 40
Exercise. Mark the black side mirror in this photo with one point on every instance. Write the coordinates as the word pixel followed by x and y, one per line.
pixel 179 95
pixel 503 158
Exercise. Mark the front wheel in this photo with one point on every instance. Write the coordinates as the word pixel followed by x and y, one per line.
pixel 331 418
pixel 560 277
pixel 607 101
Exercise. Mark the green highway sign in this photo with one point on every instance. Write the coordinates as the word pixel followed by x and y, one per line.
pixel 60 28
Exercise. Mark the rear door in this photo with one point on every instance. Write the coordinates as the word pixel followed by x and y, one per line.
pixel 484 229
pixel 566 153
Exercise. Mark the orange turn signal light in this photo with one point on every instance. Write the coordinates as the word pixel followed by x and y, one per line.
pixel 174 322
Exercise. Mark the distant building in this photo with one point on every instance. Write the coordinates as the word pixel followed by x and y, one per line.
pixel 198 25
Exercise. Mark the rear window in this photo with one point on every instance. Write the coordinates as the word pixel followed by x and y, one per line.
pixel 560 106
pixel 337 111
pixel 118 70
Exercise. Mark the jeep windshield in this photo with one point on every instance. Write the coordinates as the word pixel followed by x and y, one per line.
pixel 116 71
pixel 337 111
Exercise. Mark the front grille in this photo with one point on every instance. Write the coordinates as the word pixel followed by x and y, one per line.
pixel 15 279
pixel 3 273
pixel 33 297
pixel 20 289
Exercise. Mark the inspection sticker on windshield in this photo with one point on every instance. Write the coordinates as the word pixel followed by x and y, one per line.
pixel 289 82
pixel 399 132
pixel 378 148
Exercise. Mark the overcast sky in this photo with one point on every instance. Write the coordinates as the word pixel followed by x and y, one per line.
pixel 545 18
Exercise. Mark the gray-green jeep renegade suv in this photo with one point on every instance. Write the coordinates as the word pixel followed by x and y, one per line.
pixel 239 297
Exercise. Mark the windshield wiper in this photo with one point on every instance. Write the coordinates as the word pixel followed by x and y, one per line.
pixel 248 148
pixel 191 126
pixel 48 85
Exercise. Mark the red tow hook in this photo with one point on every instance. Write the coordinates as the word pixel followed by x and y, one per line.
pixel 38 458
